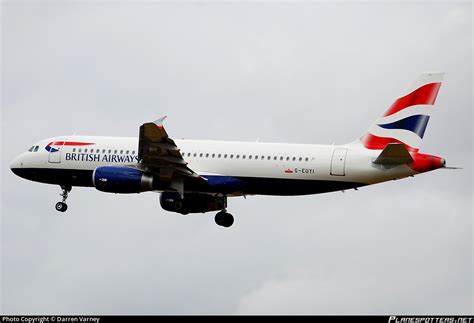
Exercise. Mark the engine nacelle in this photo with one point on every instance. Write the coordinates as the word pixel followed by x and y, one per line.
pixel 121 179
pixel 191 202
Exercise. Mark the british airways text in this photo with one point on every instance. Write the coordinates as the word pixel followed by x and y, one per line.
pixel 105 158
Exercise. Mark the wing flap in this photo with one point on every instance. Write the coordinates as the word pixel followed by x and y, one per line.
pixel 159 154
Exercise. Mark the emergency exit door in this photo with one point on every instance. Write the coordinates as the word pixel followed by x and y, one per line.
pixel 338 162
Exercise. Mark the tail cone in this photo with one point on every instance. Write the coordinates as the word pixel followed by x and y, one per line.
pixel 425 163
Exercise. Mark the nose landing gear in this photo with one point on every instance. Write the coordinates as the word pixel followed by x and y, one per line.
pixel 224 219
pixel 62 206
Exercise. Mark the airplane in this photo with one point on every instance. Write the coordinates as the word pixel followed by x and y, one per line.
pixel 197 176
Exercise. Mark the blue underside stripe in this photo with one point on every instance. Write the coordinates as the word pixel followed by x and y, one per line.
pixel 216 184
pixel 268 186
pixel 416 124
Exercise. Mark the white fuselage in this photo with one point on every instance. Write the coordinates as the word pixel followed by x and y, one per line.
pixel 344 163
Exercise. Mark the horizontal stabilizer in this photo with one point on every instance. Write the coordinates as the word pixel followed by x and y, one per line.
pixel 394 154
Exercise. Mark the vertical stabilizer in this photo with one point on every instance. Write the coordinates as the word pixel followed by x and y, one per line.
pixel 406 120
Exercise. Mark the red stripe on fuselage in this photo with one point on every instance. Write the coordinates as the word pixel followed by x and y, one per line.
pixel 423 95
pixel 374 142
pixel 69 143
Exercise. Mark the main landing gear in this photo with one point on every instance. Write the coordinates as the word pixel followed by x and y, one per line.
pixel 224 219
pixel 62 206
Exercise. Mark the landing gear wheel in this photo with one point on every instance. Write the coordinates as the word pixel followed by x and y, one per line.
pixel 224 219
pixel 61 207
pixel 220 218
pixel 228 220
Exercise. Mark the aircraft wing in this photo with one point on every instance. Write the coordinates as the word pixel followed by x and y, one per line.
pixel 158 153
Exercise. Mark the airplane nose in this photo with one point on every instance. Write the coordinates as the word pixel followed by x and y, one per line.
pixel 16 165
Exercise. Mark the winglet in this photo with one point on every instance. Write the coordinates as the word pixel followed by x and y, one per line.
pixel 394 154
pixel 159 122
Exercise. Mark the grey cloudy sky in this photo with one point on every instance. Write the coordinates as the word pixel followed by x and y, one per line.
pixel 310 72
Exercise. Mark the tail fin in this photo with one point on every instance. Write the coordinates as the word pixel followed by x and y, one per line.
pixel 406 120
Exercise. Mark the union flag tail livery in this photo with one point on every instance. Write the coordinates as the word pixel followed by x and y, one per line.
pixel 197 176
pixel 406 120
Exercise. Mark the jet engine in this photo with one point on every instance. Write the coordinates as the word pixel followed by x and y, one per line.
pixel 191 202
pixel 122 179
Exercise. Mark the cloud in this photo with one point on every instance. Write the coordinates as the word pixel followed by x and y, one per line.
pixel 395 262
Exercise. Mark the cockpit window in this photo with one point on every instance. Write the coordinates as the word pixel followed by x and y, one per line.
pixel 33 148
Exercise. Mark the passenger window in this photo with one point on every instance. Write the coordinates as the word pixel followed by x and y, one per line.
pixel 103 151
pixel 219 156
pixel 231 156
pixel 127 152
pixel 213 155
pixel 306 159
pixel 281 158
pixel 269 157
pixel 133 152
pixel 237 156
pixel 121 152
pixel 110 151
pixel 189 154
pixel 287 158
pixel 195 155
pixel 115 151
pixel 250 156
pixel 200 155
pixel 207 155
pixel 263 157
pixel 256 156
pixel 243 156
pixel 300 159
pixel 294 158
pixel 225 155
pixel 73 150
pixel 80 150
pixel 85 150
pixel 274 157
